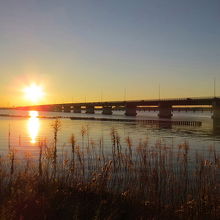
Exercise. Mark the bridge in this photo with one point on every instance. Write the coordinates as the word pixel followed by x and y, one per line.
pixel 164 106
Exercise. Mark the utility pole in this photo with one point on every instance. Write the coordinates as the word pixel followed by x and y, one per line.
pixel 159 91
pixel 101 95
pixel 214 87
pixel 124 94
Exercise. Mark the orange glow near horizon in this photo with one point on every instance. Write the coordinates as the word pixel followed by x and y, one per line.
pixel 33 126
pixel 34 93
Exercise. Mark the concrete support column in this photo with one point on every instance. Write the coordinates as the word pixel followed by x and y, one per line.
pixel 107 110
pixel 90 109
pixel 77 109
pixel 130 110
pixel 67 109
pixel 216 116
pixel 165 110
pixel 57 108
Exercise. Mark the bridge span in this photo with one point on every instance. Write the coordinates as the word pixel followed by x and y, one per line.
pixel 164 106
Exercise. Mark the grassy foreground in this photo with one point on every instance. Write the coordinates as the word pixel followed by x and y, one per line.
pixel 130 181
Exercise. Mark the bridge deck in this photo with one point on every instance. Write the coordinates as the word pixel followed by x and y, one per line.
pixel 205 101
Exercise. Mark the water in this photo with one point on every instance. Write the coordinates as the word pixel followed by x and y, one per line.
pixel 24 134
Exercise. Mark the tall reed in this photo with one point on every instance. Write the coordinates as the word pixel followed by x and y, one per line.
pixel 131 181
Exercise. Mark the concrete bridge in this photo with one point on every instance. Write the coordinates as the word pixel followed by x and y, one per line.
pixel 164 106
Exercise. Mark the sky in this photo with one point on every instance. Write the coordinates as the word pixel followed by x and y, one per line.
pixel 96 50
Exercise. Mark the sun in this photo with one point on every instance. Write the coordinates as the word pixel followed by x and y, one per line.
pixel 34 93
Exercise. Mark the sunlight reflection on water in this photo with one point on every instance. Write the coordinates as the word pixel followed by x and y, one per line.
pixel 33 126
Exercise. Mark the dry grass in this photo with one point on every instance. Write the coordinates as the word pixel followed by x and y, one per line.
pixel 133 181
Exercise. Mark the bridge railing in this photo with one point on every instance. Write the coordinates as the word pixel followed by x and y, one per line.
pixel 147 100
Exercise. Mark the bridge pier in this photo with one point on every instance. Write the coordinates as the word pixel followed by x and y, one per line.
pixel 165 110
pixel 107 110
pixel 57 108
pixel 67 109
pixel 90 109
pixel 130 110
pixel 77 109
pixel 216 116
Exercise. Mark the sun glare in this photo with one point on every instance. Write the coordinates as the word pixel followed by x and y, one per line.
pixel 34 93
pixel 33 114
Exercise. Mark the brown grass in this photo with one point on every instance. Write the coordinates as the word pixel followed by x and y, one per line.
pixel 132 181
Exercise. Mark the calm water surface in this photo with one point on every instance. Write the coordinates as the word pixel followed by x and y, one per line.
pixel 24 134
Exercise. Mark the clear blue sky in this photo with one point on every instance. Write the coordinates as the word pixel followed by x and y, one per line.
pixel 78 48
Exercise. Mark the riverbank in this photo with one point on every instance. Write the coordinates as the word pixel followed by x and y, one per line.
pixel 132 181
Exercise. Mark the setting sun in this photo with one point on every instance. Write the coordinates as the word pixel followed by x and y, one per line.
pixel 34 93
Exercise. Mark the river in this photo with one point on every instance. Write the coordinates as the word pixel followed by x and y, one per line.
pixel 24 134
